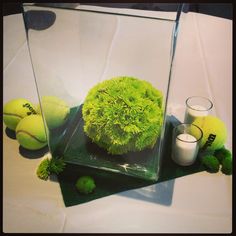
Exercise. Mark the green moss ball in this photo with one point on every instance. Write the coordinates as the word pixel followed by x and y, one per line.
pixel 123 114
pixel 30 132
pixel 85 184
pixel 55 110
pixel 214 132
pixel 211 163
pixel 227 166
pixel 222 153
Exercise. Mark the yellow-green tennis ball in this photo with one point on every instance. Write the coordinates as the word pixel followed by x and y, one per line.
pixel 214 132
pixel 15 110
pixel 55 111
pixel 30 132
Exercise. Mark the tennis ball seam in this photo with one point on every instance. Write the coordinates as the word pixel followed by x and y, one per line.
pixel 12 114
pixel 25 132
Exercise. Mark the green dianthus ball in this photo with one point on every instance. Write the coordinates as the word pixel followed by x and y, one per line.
pixel 123 114
pixel 211 163
pixel 85 184
pixel 227 166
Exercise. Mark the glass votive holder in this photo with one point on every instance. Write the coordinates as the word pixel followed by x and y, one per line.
pixel 185 143
pixel 196 107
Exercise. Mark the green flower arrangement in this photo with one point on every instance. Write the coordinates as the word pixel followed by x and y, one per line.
pixel 123 114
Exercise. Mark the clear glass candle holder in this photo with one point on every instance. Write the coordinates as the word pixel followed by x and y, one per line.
pixel 185 143
pixel 197 107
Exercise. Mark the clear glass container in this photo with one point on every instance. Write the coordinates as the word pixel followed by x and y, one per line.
pixel 74 48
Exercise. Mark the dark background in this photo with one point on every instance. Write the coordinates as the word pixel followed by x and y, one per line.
pixel 224 10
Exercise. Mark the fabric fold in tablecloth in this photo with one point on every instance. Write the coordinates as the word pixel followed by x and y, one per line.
pixel 108 183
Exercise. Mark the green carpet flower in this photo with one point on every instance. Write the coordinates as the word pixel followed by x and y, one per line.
pixel 123 114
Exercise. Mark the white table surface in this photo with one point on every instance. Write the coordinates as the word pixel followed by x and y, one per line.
pixel 198 203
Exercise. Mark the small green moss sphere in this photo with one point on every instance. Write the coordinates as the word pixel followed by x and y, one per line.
pixel 227 166
pixel 214 132
pixel 211 163
pixel 222 153
pixel 85 184
pixel 123 114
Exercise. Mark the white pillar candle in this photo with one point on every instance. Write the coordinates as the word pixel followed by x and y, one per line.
pixel 194 112
pixel 185 149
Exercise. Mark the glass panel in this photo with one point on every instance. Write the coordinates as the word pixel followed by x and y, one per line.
pixel 73 50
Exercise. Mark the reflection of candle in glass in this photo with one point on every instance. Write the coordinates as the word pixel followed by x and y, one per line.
pixel 185 149
pixel 193 112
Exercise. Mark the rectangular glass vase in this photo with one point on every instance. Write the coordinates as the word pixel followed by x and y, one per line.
pixel 75 48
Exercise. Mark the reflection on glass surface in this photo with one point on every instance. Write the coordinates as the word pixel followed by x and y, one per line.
pixel 82 48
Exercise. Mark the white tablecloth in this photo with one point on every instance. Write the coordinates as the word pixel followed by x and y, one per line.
pixel 195 203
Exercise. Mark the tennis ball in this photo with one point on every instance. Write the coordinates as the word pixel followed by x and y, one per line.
pixel 55 111
pixel 214 132
pixel 15 110
pixel 30 132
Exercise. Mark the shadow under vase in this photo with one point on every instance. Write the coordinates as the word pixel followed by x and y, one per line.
pixel 159 193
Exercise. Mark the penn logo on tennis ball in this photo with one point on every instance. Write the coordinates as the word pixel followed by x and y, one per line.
pixel 209 141
pixel 32 111
pixel 214 132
